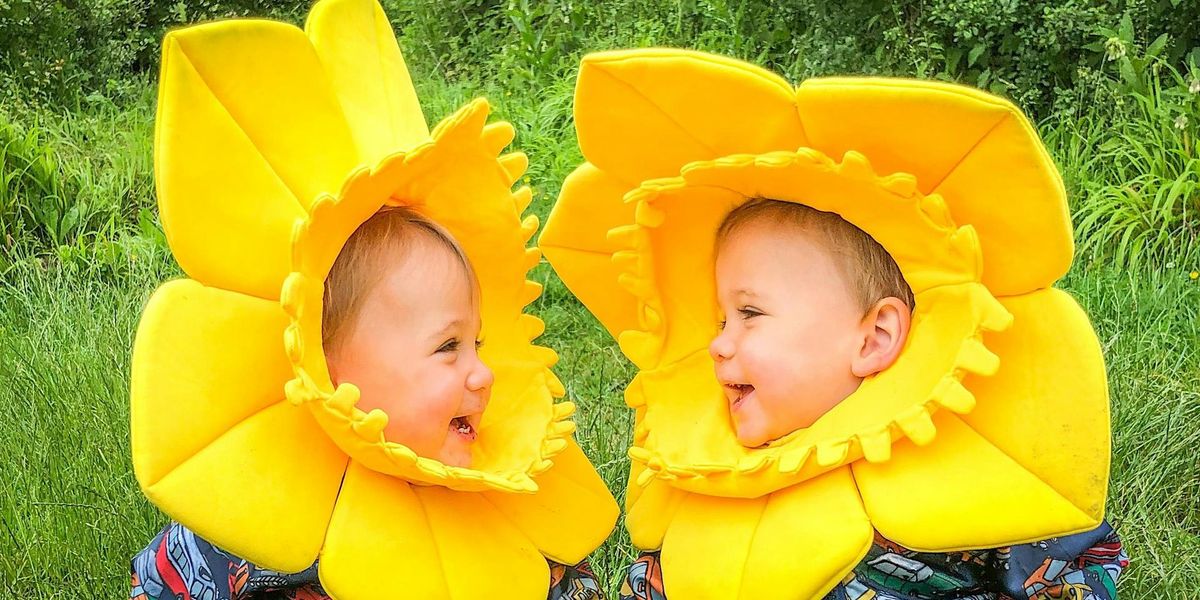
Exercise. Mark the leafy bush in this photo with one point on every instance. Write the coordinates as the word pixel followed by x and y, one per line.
pixel 1140 192
pixel 61 53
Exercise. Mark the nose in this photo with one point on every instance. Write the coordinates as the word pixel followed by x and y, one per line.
pixel 721 347
pixel 480 378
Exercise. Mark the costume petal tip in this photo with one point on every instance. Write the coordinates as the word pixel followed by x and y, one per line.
pixel 370 427
pixel 954 396
pixel 514 164
pixel 641 347
pixel 647 215
pixel 544 355
pixel 468 122
pixel 645 477
pixel 650 319
pixel 522 198
pixel 832 453
pixel 935 209
pixel 531 326
pixel 918 426
pixel 561 429
pixel 554 446
pixel 876 446
pixel 995 316
pixel 344 398
pixel 793 460
pixel 624 236
pixel 563 410
pixel 497 136
pixel 856 166
pixel 293 343
pixel 531 292
pixel 529 226
pixel 753 463
pixel 900 184
pixel 554 384
pixel 973 356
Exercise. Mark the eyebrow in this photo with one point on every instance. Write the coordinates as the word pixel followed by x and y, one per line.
pixel 448 327
pixel 745 292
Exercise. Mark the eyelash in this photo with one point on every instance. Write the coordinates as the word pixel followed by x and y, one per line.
pixel 746 313
pixel 451 345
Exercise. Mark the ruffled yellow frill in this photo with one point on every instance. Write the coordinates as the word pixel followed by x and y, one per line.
pixel 992 426
pixel 272 145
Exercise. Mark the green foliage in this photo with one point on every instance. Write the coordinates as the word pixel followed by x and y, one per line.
pixel 67 53
pixel 81 248
pixel 77 186
pixel 32 188
pixel 1034 52
pixel 1139 182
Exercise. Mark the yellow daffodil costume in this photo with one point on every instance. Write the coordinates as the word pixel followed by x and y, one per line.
pixel 272 145
pixel 992 426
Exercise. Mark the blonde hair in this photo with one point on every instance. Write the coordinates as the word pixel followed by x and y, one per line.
pixel 872 273
pixel 385 237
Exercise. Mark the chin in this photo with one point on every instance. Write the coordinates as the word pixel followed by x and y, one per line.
pixel 456 458
pixel 750 438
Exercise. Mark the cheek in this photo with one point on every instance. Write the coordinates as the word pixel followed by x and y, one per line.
pixel 420 401
pixel 771 361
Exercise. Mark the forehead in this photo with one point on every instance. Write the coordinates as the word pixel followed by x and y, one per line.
pixel 427 277
pixel 761 256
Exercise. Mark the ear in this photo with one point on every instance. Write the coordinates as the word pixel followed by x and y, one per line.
pixel 883 330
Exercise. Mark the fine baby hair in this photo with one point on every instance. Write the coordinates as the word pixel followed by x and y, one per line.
pixel 867 266
pixel 385 237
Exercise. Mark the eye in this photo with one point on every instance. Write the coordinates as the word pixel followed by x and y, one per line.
pixel 721 325
pixel 478 344
pixel 749 312
pixel 450 345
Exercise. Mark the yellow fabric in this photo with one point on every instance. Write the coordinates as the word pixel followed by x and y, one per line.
pixel 272 146
pixel 955 184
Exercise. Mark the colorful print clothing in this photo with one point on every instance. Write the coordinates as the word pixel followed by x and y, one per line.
pixel 180 565
pixel 1083 566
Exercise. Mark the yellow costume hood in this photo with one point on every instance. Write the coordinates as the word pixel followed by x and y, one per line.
pixel 992 426
pixel 272 145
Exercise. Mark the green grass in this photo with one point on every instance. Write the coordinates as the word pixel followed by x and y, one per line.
pixel 72 514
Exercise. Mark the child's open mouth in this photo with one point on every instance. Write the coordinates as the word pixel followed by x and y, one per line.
pixel 738 394
pixel 462 427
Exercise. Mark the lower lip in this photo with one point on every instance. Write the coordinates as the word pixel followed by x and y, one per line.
pixel 740 401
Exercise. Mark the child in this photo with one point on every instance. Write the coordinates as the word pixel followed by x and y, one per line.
pixel 301 395
pixel 401 322
pixel 801 332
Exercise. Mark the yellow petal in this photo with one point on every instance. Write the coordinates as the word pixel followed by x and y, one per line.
pixel 649 509
pixel 264 491
pixel 750 548
pixel 1047 406
pixel 248 135
pixel 359 52
pixel 575 242
pixel 570 515
pixel 645 113
pixel 978 151
pixel 1029 244
pixel 204 360
pixel 962 492
pixel 390 539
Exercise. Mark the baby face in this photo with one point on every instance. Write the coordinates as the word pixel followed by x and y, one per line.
pixel 790 332
pixel 412 351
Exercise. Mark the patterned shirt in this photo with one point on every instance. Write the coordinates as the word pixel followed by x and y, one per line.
pixel 180 565
pixel 1083 566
